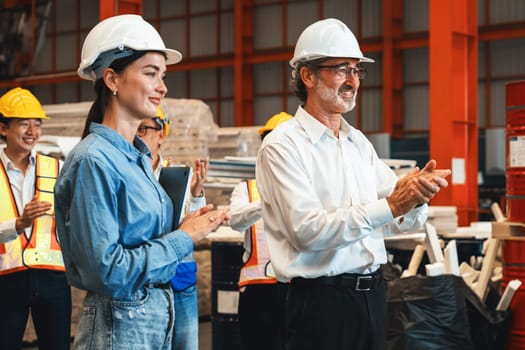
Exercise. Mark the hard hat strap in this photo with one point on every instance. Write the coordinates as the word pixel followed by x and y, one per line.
pixel 105 59
pixel 159 122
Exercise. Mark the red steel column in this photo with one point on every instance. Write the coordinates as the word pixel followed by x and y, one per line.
pixel 119 7
pixel 453 52
pixel 242 69
pixel 392 68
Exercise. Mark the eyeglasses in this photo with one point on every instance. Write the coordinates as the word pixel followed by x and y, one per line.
pixel 143 129
pixel 344 71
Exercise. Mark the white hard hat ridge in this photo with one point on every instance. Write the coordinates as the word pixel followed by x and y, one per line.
pixel 112 36
pixel 327 38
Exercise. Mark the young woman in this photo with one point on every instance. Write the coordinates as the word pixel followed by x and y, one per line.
pixel 113 218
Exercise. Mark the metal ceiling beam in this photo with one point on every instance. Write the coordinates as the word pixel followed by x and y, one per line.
pixel 244 58
pixel 503 31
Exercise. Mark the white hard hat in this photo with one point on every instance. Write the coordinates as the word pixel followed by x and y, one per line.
pixel 327 38
pixel 117 37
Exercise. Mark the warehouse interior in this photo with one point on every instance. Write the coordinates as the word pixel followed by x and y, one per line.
pixel 445 78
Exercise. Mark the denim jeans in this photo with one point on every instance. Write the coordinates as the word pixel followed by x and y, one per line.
pixel 144 321
pixel 186 333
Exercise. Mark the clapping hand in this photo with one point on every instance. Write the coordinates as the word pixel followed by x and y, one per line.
pixel 199 176
pixel 200 223
pixel 418 187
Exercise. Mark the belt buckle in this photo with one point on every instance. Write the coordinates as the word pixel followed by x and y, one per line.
pixel 358 284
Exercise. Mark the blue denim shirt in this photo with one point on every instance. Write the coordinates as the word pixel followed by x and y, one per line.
pixel 114 219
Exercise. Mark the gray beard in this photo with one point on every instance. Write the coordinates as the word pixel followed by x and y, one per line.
pixel 329 94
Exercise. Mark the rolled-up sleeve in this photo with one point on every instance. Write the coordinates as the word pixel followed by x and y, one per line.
pixel 8 230
pixel 243 214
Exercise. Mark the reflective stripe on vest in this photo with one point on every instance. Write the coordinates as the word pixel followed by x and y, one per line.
pixel 258 269
pixel 43 250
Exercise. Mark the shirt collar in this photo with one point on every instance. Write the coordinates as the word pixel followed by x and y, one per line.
pixel 132 152
pixel 346 130
pixel 315 129
pixel 9 165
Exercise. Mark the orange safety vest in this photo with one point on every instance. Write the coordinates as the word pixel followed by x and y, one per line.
pixel 258 269
pixel 42 251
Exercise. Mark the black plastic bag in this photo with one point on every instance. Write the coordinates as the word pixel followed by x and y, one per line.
pixel 489 328
pixel 427 313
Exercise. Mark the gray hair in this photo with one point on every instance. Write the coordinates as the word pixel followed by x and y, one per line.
pixel 296 83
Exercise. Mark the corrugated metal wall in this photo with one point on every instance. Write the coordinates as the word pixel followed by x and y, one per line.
pixel 204 18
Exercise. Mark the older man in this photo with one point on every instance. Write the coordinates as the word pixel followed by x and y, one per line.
pixel 328 201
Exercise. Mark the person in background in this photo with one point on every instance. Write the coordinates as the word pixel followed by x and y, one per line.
pixel 32 273
pixel 328 201
pixel 262 297
pixel 113 217
pixel 154 131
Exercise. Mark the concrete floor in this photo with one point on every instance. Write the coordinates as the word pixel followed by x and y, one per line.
pixel 205 335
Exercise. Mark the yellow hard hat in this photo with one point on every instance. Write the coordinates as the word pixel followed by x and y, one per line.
pixel 163 121
pixel 21 103
pixel 274 121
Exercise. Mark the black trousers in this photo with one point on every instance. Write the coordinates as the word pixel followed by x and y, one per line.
pixel 48 295
pixel 261 316
pixel 335 317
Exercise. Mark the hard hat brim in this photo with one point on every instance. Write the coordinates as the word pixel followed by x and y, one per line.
pixel 293 61
pixel 172 56
pixel 366 60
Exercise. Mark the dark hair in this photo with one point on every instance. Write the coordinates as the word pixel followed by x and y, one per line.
pixel 96 112
pixel 5 121
pixel 266 132
pixel 297 84
pixel 158 122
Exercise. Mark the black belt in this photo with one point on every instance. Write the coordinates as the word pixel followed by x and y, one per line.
pixel 159 285
pixel 355 281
